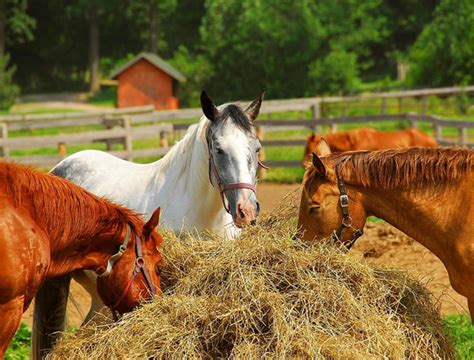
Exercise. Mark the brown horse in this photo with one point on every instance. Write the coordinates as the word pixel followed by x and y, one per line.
pixel 426 193
pixel 369 139
pixel 50 227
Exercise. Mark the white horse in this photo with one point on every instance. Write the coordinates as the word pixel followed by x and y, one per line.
pixel 206 181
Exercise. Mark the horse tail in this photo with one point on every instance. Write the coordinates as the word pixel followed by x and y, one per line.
pixel 49 318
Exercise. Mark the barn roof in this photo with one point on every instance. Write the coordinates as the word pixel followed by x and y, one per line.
pixel 154 60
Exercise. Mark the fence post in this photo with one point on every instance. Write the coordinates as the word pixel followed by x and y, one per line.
pixel 4 150
pixel 437 129
pixel 413 122
pixel 62 149
pixel 333 127
pixel 164 139
pixel 127 125
pixel 424 106
pixel 399 101
pixel 463 136
pixel 261 154
pixel 384 105
pixel 316 115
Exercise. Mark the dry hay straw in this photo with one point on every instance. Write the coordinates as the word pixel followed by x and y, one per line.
pixel 266 295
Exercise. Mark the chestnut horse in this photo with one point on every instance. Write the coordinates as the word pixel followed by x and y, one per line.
pixel 369 139
pixel 50 227
pixel 426 193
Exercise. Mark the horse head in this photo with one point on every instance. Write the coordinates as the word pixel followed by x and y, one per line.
pixel 233 156
pixel 326 209
pixel 132 274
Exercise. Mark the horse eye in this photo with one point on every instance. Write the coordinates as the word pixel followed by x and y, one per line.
pixel 219 151
pixel 158 269
pixel 258 149
pixel 314 208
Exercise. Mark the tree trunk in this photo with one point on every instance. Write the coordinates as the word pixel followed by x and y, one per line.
pixel 3 24
pixel 153 27
pixel 94 85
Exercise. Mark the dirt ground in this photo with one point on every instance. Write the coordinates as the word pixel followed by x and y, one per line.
pixel 381 244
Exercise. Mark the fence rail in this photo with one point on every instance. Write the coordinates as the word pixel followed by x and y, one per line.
pixel 124 126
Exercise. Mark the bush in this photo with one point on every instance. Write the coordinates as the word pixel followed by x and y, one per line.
pixel 336 72
pixel 444 52
pixel 8 90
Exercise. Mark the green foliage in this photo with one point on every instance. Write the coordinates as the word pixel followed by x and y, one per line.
pixel 19 348
pixel 462 332
pixel 8 90
pixel 197 70
pixel 20 24
pixel 336 72
pixel 277 44
pixel 444 52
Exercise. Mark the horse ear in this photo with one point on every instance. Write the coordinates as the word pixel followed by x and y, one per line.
pixel 152 223
pixel 254 108
pixel 208 107
pixel 319 165
pixel 322 149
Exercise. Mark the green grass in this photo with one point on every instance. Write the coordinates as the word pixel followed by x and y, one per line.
pixel 462 331
pixel 19 348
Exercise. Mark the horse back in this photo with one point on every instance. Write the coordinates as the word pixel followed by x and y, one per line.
pixel 421 139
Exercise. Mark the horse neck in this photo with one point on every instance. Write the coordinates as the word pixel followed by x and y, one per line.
pixel 186 170
pixel 79 238
pixel 422 212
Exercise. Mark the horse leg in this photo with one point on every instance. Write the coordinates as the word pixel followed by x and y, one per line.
pixel 10 317
pixel 470 303
pixel 49 317
pixel 89 283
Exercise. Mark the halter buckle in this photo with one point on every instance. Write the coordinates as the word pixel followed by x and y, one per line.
pixel 344 200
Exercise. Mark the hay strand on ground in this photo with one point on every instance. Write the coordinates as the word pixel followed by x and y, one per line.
pixel 266 295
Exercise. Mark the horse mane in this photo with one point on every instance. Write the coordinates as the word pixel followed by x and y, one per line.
pixel 395 168
pixel 63 208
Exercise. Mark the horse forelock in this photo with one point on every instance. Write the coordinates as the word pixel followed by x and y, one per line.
pixel 63 208
pixel 236 115
pixel 395 168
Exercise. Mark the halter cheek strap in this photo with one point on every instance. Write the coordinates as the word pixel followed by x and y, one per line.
pixel 139 267
pixel 346 222
pixel 223 187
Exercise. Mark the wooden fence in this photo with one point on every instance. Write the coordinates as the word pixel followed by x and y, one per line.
pixel 125 126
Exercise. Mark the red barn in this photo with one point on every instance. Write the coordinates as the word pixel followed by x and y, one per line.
pixel 147 79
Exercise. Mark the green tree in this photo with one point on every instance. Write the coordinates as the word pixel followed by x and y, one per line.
pixel 16 26
pixel 8 91
pixel 336 72
pixel 444 52
pixel 281 45
pixel 197 70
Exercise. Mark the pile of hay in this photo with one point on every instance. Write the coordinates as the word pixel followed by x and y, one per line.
pixel 266 295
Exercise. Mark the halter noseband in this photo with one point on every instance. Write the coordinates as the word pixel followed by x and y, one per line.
pixel 346 222
pixel 223 187
pixel 138 268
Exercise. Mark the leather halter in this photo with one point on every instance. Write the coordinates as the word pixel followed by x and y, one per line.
pixel 138 268
pixel 346 222
pixel 223 187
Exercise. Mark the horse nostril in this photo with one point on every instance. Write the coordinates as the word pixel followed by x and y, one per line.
pixel 253 222
pixel 258 207
pixel 240 212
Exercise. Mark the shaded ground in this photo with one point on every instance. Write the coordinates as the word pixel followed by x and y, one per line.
pixel 381 244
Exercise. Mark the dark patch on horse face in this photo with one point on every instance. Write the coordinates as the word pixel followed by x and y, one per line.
pixel 229 163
